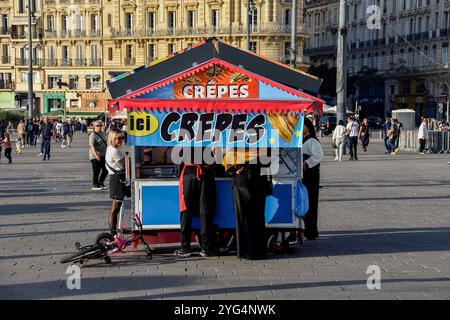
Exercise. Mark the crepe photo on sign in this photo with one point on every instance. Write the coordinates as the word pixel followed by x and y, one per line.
pixel 284 123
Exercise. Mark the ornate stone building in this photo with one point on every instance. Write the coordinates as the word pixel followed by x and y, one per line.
pixel 401 64
pixel 84 42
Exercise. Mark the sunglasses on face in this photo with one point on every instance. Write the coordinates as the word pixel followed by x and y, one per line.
pixel 99 125
pixel 120 138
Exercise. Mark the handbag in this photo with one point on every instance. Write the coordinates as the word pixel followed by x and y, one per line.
pixel 334 145
pixel 301 200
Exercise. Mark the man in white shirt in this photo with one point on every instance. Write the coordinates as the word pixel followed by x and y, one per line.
pixel 423 135
pixel 353 133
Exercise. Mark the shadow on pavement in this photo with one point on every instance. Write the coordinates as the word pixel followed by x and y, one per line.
pixel 41 208
pixel 378 241
pixel 111 285
pixel 284 286
pixel 97 286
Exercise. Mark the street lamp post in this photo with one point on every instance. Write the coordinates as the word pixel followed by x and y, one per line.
pixel 340 64
pixel 249 12
pixel 30 63
pixel 294 34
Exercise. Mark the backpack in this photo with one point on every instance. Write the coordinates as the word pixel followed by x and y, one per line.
pixel 30 127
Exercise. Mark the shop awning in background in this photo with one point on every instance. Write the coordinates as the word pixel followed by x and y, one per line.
pixel 54 113
pixel 90 115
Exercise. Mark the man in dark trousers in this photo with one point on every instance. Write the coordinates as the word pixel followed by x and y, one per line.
pixel 47 134
pixel 197 196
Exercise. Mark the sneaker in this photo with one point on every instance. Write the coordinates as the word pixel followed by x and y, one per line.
pixel 96 188
pixel 102 186
pixel 182 253
pixel 40 154
pixel 336 159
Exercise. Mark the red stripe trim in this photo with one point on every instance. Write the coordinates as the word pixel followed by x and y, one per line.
pixel 218 106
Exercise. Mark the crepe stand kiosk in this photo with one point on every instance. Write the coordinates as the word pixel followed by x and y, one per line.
pixel 214 95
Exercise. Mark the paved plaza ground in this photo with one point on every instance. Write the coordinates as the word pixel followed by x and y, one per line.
pixel 388 211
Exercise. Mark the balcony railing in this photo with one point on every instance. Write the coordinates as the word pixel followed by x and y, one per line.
pixel 95 62
pixel 6 60
pixel 64 1
pixel 51 62
pixel 24 62
pixel 79 62
pixel 264 29
pixel 444 32
pixel 129 61
pixel 49 1
pixel 65 33
pixel 79 1
pixel 80 33
pixel 51 34
pixel 5 84
pixel 24 35
pixel 66 62
pixel 94 33
pixel 321 50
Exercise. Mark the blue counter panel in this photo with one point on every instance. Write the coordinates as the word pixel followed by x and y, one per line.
pixel 160 206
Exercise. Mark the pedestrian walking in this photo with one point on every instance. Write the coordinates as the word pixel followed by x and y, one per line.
pixel 395 138
pixel 6 143
pixel 352 134
pixel 2 135
pixel 386 127
pixel 364 134
pixel 29 130
pixel 10 128
pixel 67 134
pixel 97 153
pixel 423 135
pixel 312 156
pixel 47 133
pixel 36 132
pixel 21 135
pixel 339 135
pixel 115 163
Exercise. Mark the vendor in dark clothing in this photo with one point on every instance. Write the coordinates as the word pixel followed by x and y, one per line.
pixel 312 156
pixel 197 196
pixel 249 198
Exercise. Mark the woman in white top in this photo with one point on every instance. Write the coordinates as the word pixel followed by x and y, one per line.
pixel 312 156
pixel 339 134
pixel 115 164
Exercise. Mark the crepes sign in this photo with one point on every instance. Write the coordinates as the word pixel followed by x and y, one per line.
pixel 201 129
pixel 216 82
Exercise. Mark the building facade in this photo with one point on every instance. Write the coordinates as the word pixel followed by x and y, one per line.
pixel 82 43
pixel 401 63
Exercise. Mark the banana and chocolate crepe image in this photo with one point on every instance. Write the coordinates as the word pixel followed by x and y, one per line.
pixel 284 123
